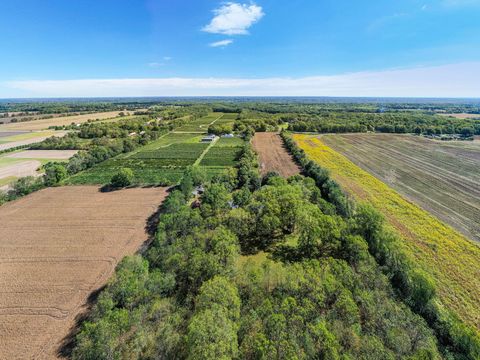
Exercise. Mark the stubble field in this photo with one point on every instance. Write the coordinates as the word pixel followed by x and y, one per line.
pixel 57 247
pixel 36 125
pixel 442 177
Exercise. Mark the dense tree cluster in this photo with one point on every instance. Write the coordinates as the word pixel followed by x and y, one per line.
pixel 254 269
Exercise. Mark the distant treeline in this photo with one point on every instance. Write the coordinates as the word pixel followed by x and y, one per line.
pixel 404 122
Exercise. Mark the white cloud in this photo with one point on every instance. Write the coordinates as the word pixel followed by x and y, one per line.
pixel 221 43
pixel 454 80
pixel 155 64
pixel 234 18
pixel 167 58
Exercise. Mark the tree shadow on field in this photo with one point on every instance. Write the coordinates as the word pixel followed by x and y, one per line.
pixel 68 343
pixel 151 225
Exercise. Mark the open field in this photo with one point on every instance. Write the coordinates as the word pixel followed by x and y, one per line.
pixel 8 134
pixel 43 154
pixel 58 246
pixel 273 156
pixel 26 163
pixel 442 177
pixel 36 125
pixel 438 249
pixel 29 138
pixel 19 168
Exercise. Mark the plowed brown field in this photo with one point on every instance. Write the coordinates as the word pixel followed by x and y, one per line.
pixel 57 247
pixel 273 156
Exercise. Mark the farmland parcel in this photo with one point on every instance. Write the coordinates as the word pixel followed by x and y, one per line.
pixel 439 250
pixel 57 246
pixel 443 177
pixel 273 156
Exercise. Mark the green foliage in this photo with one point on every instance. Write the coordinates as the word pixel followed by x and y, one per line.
pixel 220 129
pixel 123 178
pixel 54 173
pixel 207 292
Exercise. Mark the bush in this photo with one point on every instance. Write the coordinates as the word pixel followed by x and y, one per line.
pixel 122 179
pixel 54 173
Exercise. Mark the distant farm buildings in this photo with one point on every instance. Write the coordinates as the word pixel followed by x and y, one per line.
pixel 208 138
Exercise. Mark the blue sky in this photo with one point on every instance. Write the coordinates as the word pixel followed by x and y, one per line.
pixel 266 47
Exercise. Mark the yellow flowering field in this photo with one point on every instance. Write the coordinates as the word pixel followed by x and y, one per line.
pixel 451 258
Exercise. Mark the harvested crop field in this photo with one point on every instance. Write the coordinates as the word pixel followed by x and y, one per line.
pixel 4 134
pixel 20 169
pixel 43 124
pixel 273 156
pixel 57 247
pixel 43 154
pixel 439 250
pixel 442 177
pixel 27 139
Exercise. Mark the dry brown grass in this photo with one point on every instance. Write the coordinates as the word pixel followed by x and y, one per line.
pixel 57 246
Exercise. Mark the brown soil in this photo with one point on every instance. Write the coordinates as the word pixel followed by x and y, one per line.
pixel 273 156
pixel 59 246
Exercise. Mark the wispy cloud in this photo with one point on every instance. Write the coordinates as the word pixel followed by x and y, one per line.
pixel 155 64
pixel 221 43
pixel 454 80
pixel 234 18
pixel 458 3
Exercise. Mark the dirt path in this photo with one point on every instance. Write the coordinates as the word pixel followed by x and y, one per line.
pixel 57 247
pixel 273 156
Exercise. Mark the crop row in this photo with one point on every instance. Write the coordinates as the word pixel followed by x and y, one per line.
pixel 221 156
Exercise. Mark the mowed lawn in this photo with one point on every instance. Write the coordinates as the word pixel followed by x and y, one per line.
pixel 451 258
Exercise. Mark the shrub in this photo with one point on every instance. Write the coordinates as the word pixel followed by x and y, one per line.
pixel 123 178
